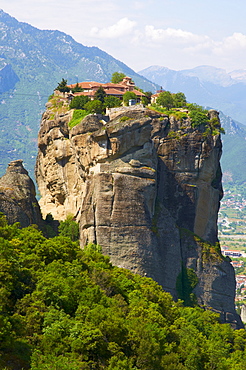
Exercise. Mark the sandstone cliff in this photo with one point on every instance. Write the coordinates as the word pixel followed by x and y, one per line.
pixel 146 187
pixel 17 196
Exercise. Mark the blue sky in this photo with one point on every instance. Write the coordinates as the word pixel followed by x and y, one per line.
pixel 171 33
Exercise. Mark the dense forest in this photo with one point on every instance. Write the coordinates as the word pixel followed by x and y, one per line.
pixel 64 308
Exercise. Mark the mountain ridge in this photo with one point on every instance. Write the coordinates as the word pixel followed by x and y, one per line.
pixel 207 85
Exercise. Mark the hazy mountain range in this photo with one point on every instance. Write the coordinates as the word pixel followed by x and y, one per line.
pixel 205 85
pixel 33 61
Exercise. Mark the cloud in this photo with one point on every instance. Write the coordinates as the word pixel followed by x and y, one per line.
pixel 123 27
pixel 237 40
pixel 160 35
pixel 178 48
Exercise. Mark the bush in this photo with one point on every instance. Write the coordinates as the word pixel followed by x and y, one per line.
pixel 77 88
pixel 198 118
pixel 79 102
pixel 127 96
pixel 94 106
pixel 111 102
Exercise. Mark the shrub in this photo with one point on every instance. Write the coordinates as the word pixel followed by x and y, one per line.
pixel 124 118
pixel 79 102
pixel 112 101
pixel 94 106
pixel 127 96
pixel 198 118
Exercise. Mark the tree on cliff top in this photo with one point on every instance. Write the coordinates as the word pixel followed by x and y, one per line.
pixel 94 106
pixel 100 94
pixel 79 102
pixel 117 77
pixel 165 99
pixel 62 86
pixel 127 96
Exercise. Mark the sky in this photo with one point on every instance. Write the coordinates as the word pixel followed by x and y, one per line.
pixel 176 34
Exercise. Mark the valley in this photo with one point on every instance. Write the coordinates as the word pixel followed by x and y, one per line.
pixel 232 234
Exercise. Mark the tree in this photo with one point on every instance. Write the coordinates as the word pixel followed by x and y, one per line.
pixel 62 86
pixel 94 106
pixel 79 102
pixel 112 101
pixel 165 99
pixel 148 95
pixel 100 94
pixel 117 77
pixel 69 228
pixel 145 100
pixel 180 99
pixel 77 88
pixel 127 96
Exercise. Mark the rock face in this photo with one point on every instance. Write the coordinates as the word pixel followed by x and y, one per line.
pixel 17 196
pixel 146 188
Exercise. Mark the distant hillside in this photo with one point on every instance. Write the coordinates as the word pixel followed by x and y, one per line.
pixel 207 86
pixel 233 159
pixel 32 62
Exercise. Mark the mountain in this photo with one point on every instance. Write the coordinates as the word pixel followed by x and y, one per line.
pixel 205 85
pixel 233 159
pixel 32 62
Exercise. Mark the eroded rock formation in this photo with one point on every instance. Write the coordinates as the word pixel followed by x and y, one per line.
pixel 147 188
pixel 18 196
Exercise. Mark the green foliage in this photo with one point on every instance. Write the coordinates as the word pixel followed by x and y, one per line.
pixel 69 309
pixel 127 96
pixel 78 115
pixel 174 135
pixel 94 106
pixel 124 118
pixel 100 94
pixel 112 101
pixel 62 86
pixel 198 118
pixel 79 102
pixel 179 99
pixel 186 282
pixel 168 100
pixel 77 88
pixel 69 228
pixel 117 77
pixel 148 95
pixel 145 100
pixel 196 107
pixel 165 99
pixel 215 127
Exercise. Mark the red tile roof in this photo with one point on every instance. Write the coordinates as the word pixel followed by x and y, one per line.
pixel 109 87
